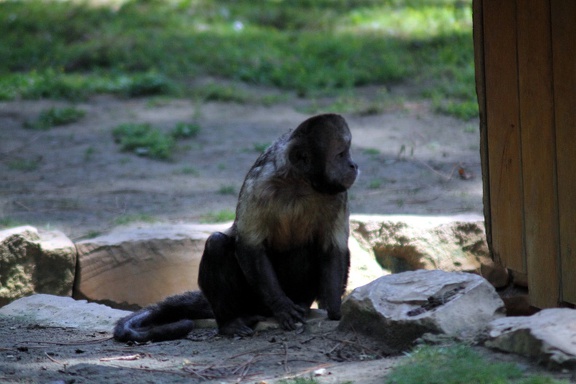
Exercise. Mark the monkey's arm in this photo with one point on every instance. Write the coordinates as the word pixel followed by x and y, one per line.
pixel 260 274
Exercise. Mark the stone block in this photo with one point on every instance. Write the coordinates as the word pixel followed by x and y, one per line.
pixel 131 267
pixel 33 261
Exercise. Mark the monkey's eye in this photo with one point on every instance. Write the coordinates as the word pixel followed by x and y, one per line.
pixel 341 155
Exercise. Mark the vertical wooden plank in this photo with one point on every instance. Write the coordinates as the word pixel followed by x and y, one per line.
pixel 563 13
pixel 503 132
pixel 538 151
pixel 480 76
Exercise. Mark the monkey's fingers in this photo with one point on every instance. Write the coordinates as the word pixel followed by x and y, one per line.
pixel 288 319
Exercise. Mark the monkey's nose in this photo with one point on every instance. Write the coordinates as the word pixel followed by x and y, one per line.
pixel 353 165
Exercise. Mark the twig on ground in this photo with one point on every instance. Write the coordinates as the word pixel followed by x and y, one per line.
pixel 123 358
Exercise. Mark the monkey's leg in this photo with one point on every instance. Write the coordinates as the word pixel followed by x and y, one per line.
pixel 236 307
pixel 333 280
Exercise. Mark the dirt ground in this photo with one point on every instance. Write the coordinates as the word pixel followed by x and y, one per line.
pixel 75 178
pixel 34 354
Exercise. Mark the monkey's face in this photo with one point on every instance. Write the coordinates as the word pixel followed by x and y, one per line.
pixel 321 152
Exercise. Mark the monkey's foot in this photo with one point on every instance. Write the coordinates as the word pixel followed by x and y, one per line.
pixel 242 326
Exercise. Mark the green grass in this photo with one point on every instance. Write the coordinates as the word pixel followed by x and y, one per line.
pixel 185 130
pixel 144 140
pixel 457 364
pixel 134 218
pixel 8 222
pixel 23 165
pixel 219 216
pixel 227 190
pixel 53 117
pixel 71 50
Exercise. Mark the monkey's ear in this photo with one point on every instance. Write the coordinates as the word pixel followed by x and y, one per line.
pixel 299 157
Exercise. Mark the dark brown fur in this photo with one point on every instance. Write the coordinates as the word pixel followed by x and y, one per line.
pixel 287 247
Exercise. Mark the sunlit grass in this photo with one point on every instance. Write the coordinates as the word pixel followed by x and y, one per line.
pixel 419 21
pixel 71 50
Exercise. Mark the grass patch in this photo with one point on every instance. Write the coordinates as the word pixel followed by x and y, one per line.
pixel 144 140
pixel 53 117
pixel 371 151
pixel 8 222
pixel 227 190
pixel 260 147
pixel 219 216
pixel 457 364
pixel 134 218
pixel 23 165
pixel 70 50
pixel 221 92
pixel 185 130
pixel 187 170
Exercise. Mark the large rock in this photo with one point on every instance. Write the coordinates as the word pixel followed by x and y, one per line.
pixel 135 266
pixel 54 311
pixel 33 261
pixel 399 308
pixel 448 243
pixel 548 336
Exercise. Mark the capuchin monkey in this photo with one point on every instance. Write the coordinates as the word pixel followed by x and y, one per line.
pixel 287 247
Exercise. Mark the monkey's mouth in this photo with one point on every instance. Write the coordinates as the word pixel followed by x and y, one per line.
pixel 350 179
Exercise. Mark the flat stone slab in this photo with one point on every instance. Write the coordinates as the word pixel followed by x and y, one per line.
pixel 56 311
pixel 548 336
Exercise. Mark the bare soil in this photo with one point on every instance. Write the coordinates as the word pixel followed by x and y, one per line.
pixel 76 179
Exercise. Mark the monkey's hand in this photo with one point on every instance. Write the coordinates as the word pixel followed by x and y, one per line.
pixel 288 314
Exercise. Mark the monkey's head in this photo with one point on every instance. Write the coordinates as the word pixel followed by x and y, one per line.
pixel 319 149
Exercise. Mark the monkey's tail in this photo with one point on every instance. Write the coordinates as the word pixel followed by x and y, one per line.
pixel 169 319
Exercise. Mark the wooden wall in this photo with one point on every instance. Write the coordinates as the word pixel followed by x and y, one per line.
pixel 525 52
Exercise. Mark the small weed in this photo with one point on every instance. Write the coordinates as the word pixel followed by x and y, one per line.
pixel 371 151
pixel 219 217
pixel 53 117
pixel 471 128
pixel 185 130
pixel 375 184
pixel 24 165
pixel 260 147
pixel 134 218
pixel 188 171
pixel 227 190
pixel 88 153
pixel 90 235
pixel 225 93
pixel 403 152
pixel 144 140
